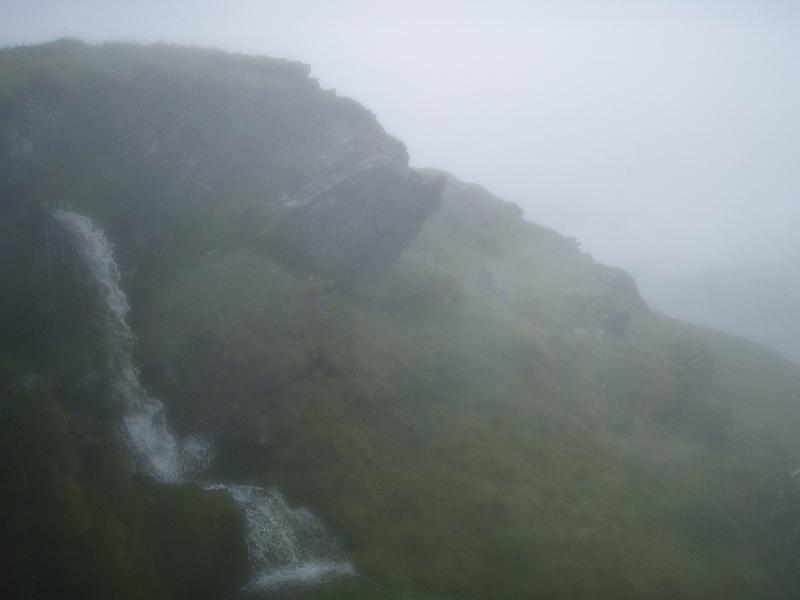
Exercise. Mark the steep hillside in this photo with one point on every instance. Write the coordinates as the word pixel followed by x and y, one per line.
pixel 473 405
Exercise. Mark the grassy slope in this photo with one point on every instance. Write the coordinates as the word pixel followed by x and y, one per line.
pixel 465 442
pixel 475 443
pixel 76 523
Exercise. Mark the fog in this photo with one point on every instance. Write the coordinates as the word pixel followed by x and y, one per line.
pixel 664 135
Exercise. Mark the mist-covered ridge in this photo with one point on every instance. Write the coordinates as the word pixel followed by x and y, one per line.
pixel 411 391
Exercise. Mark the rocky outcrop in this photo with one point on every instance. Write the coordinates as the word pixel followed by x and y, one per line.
pixel 213 149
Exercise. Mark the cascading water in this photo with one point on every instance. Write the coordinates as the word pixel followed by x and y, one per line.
pixel 154 446
pixel 287 546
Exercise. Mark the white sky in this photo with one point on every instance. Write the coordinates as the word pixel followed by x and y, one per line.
pixel 665 134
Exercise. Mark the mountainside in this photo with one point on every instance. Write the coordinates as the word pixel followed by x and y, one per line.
pixel 472 406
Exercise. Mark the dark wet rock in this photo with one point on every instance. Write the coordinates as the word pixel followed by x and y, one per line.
pixel 615 322
pixel 360 223
pixel 183 153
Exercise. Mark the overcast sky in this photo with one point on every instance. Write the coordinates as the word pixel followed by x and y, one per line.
pixel 665 135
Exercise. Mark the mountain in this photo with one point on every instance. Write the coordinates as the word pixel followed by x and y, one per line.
pixel 205 255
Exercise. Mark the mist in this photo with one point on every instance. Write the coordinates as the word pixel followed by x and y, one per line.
pixel 462 300
pixel 663 135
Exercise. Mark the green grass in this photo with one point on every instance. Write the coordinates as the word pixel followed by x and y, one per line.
pixel 467 421
pixel 466 446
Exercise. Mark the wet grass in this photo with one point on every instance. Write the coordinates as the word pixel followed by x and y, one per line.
pixel 469 422
pixel 468 444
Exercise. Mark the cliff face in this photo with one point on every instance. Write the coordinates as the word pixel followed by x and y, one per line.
pixel 472 403
pixel 180 152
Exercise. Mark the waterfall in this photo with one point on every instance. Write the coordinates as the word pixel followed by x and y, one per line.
pixel 286 546
pixel 146 431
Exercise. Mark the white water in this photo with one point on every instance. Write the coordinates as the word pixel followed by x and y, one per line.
pixel 146 431
pixel 287 546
